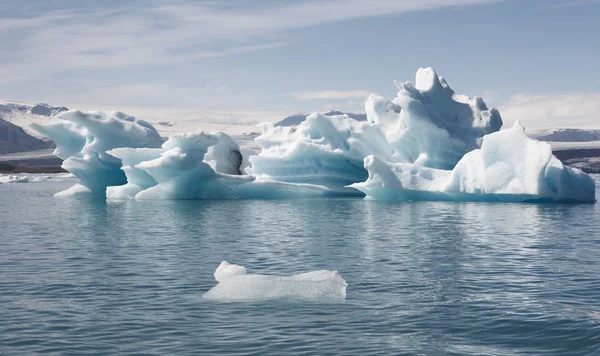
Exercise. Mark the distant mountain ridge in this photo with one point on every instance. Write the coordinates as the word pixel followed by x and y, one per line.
pixel 14 139
pixel 41 109
pixel 565 135
pixel 297 119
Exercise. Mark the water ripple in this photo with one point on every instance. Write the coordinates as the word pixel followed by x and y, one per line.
pixel 429 278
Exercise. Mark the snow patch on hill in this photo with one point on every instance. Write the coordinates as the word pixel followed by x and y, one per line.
pixel 567 139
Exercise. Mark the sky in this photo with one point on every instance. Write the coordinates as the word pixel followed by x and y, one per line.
pixel 253 61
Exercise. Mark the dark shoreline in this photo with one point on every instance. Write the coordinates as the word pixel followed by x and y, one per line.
pixel 586 159
pixel 8 169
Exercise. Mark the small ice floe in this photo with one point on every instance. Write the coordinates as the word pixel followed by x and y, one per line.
pixel 25 178
pixel 235 284
pixel 38 178
pixel 66 175
pixel 14 179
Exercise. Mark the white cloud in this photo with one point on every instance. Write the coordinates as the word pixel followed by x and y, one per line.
pixel 40 48
pixel 567 110
pixel 171 32
pixel 332 94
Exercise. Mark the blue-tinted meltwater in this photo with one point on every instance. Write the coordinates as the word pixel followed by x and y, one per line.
pixel 85 276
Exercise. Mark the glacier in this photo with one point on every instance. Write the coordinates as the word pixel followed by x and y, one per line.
pixel 427 143
pixel 235 284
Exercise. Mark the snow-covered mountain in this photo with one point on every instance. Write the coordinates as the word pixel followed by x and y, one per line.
pixel 567 139
pixel 14 139
pixel 9 109
pixel 15 134
pixel 565 135
pixel 23 114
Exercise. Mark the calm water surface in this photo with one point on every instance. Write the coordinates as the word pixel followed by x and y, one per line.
pixel 94 277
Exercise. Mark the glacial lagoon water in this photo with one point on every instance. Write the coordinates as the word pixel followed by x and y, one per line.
pixel 424 278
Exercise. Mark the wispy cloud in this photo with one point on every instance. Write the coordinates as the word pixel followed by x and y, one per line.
pixel 167 33
pixel 68 48
pixel 567 110
pixel 332 94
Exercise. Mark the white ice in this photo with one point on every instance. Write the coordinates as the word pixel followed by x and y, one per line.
pixel 14 178
pixel 182 173
pixel 428 143
pixel 83 139
pixel 137 179
pixel 429 124
pixel 28 178
pixel 235 284
pixel 509 167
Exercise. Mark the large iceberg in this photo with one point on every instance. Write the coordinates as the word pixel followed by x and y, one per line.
pixel 509 167
pixel 83 139
pixel 325 151
pixel 235 284
pixel 428 143
pixel 427 124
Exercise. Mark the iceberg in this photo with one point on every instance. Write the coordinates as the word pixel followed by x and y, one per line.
pixel 429 124
pixel 137 179
pixel 428 143
pixel 235 284
pixel 182 173
pixel 509 167
pixel 82 140
pixel 324 151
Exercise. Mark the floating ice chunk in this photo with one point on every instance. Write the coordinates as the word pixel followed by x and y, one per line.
pixel 38 178
pixel 427 124
pixel 228 270
pixel 509 167
pixel 68 137
pixel 82 139
pixel 28 178
pixel 137 179
pixel 182 169
pixel 511 163
pixel 236 285
pixel 14 179
pixel 428 120
pixel 66 175
pixel 181 173
pixel 428 143
pixel 324 151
